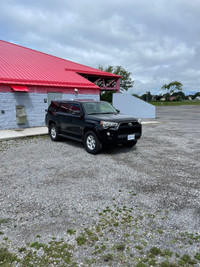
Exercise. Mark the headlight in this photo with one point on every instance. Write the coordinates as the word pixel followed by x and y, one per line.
pixel 108 124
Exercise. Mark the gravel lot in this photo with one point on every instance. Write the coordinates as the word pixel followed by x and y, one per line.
pixel 132 207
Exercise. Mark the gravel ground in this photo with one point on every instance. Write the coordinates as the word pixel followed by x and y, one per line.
pixel 123 207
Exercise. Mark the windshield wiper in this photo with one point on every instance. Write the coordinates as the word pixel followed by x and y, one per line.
pixel 108 113
pixel 101 113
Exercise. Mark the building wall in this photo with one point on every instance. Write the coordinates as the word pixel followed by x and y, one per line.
pixel 131 105
pixel 35 105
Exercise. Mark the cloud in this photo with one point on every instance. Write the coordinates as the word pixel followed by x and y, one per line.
pixel 158 41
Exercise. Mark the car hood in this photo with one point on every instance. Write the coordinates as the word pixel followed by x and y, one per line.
pixel 111 117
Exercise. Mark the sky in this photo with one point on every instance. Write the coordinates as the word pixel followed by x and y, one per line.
pixel 158 41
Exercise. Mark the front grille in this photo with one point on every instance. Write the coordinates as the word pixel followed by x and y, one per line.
pixel 126 128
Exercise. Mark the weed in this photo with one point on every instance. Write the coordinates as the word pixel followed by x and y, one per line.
pixel 37 245
pixel 197 256
pixel 108 257
pixel 22 249
pixel 166 252
pixel 139 247
pixel 152 262
pixel 6 220
pixel 140 264
pixel 71 232
pixel 81 240
pixel 155 251
pixel 6 258
pixel 120 247
pixel 186 259
pixel 168 264
pixel 160 231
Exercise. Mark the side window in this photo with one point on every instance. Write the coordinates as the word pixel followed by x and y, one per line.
pixel 64 107
pixel 75 108
pixel 53 106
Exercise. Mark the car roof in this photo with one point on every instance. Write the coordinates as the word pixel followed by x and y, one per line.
pixel 75 100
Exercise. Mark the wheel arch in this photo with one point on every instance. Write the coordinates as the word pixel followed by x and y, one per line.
pixel 88 128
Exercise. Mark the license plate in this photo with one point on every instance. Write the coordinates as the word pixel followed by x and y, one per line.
pixel 131 136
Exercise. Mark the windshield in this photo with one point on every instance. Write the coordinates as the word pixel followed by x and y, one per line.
pixel 98 108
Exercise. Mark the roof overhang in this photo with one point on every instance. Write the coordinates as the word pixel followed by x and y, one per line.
pixel 19 88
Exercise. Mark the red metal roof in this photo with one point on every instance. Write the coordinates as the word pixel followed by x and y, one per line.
pixel 24 66
pixel 19 88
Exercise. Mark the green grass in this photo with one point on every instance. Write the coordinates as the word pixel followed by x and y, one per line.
pixel 174 103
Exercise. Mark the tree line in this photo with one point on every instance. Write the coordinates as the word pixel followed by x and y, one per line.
pixel 173 90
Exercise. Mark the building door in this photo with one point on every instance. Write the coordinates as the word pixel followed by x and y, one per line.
pixel 53 96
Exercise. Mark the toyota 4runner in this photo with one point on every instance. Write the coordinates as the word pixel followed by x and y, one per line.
pixel 95 123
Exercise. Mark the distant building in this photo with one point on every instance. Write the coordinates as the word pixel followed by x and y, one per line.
pixel 30 79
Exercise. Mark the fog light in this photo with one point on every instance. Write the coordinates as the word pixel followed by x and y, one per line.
pixel 108 133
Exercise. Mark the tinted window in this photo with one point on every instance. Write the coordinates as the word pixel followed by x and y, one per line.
pixel 99 108
pixel 75 107
pixel 54 106
pixel 64 107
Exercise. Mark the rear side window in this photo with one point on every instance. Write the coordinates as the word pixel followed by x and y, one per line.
pixel 75 107
pixel 64 107
pixel 54 106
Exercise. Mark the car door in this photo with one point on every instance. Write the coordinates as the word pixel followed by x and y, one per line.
pixel 64 118
pixel 76 121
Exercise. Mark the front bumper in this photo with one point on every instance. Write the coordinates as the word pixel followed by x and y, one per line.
pixel 119 136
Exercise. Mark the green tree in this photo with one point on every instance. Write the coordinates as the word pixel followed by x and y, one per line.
pixel 126 81
pixel 147 96
pixel 173 86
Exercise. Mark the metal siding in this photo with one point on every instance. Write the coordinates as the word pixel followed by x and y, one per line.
pixel 21 65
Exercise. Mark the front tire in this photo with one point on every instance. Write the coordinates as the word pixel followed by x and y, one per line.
pixel 92 143
pixel 53 132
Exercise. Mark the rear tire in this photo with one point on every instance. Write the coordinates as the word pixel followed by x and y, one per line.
pixel 92 143
pixel 130 143
pixel 53 132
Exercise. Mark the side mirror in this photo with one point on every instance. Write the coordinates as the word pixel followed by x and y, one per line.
pixel 118 111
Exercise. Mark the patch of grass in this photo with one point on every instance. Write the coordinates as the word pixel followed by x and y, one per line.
pixel 22 249
pixel 120 247
pixel 140 264
pixel 3 221
pixel 6 258
pixel 167 252
pixel 108 257
pixel 37 245
pixel 81 240
pixel 154 251
pixel 71 231
pixel 160 231
pixel 139 247
pixel 185 260
pixel 197 256
pixel 174 103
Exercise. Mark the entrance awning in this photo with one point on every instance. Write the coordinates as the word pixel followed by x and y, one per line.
pixel 19 88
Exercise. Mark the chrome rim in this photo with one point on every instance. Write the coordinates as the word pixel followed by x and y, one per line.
pixel 53 132
pixel 91 143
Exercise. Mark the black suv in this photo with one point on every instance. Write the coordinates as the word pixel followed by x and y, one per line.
pixel 95 123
